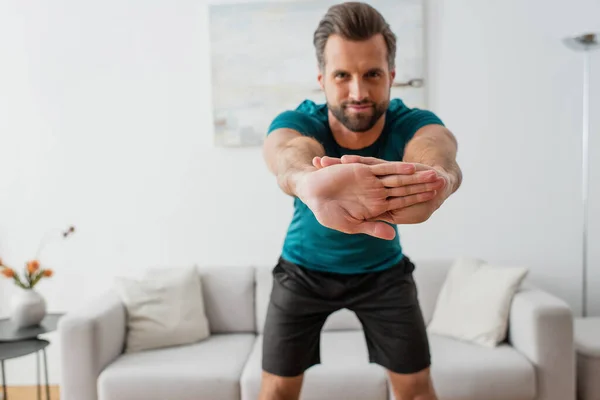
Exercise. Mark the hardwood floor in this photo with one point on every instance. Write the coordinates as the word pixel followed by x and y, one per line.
pixel 29 393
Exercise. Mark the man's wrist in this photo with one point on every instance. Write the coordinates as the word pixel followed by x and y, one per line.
pixel 290 181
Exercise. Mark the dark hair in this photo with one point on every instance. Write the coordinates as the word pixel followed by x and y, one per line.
pixel 353 21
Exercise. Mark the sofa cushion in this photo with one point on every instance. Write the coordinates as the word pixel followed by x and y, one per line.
pixel 340 320
pixel 474 303
pixel 344 372
pixel 462 370
pixel 429 276
pixel 165 307
pixel 228 298
pixel 206 370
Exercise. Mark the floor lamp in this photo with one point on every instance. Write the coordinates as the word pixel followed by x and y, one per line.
pixel 585 43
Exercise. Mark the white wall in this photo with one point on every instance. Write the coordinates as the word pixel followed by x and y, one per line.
pixel 105 123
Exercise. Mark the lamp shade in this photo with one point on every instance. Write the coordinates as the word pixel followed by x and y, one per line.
pixel 585 42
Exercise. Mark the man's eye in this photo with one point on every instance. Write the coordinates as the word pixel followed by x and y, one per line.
pixel 340 75
pixel 373 74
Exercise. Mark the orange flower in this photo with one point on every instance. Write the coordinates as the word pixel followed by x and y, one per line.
pixel 48 273
pixel 33 266
pixel 8 272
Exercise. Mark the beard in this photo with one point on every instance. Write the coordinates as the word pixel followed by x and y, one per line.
pixel 358 122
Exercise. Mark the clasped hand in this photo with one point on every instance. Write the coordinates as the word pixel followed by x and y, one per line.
pixel 356 194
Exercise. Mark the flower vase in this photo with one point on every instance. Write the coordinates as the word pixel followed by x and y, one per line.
pixel 28 308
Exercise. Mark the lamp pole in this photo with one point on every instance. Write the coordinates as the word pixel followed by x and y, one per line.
pixel 585 43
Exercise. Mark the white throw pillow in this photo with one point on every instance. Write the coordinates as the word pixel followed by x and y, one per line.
pixel 165 307
pixel 474 302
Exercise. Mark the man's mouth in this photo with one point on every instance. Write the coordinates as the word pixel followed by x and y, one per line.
pixel 359 107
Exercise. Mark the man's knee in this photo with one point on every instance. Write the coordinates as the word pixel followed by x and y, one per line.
pixel 275 387
pixel 417 386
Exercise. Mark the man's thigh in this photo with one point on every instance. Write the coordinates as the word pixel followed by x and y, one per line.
pixel 395 330
pixel 295 316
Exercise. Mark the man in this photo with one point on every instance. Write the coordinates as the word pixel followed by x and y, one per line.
pixel 356 166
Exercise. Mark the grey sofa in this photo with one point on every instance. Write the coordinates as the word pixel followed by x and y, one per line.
pixel 536 362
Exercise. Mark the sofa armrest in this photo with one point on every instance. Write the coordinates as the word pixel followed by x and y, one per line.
pixel 91 337
pixel 541 328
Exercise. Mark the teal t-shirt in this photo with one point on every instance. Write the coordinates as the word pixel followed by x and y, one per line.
pixel 310 244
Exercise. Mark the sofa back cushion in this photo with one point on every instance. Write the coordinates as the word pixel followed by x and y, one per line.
pixel 429 276
pixel 228 298
pixel 339 320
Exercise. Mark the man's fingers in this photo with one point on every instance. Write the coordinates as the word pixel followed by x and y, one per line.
pixel 405 201
pixel 423 167
pixel 350 158
pixel 399 180
pixel 379 230
pixel 316 162
pixel 407 190
pixel 347 159
pixel 327 161
pixel 385 217
pixel 391 168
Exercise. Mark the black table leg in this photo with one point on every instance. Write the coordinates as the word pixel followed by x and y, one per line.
pixel 39 383
pixel 3 382
pixel 46 373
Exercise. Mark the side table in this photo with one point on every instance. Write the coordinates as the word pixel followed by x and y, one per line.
pixel 20 342
pixel 21 348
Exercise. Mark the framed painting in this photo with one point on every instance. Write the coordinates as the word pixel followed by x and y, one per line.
pixel 263 61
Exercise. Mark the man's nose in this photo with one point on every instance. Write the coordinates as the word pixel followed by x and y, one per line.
pixel 358 90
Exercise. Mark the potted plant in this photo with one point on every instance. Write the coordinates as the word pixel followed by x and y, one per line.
pixel 28 306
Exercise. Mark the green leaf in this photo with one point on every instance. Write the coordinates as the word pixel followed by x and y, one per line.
pixel 37 278
pixel 18 281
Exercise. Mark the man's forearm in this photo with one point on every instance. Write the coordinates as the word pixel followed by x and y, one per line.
pixel 294 159
pixel 289 160
pixel 436 146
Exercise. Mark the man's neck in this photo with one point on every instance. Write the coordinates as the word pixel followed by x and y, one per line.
pixel 355 140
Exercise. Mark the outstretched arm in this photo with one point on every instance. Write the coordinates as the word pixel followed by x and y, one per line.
pixel 344 197
pixel 289 155
pixel 435 146
pixel 432 147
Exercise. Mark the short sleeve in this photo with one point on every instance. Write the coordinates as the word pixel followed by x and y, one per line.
pixel 292 120
pixel 407 121
pixel 415 119
pixel 302 122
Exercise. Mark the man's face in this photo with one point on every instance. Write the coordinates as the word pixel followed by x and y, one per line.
pixel 356 81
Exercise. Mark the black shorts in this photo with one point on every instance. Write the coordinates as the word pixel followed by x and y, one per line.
pixel 385 303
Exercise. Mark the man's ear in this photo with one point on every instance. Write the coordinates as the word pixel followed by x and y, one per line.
pixel 392 76
pixel 320 78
